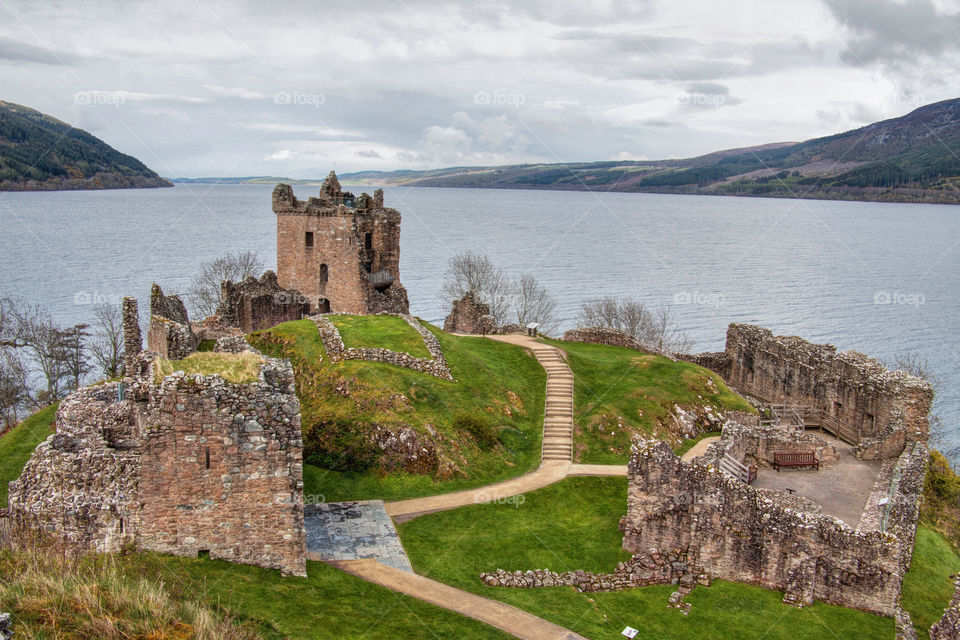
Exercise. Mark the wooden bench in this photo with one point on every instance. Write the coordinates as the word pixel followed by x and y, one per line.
pixel 795 459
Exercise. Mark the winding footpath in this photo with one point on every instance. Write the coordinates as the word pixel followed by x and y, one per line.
pixel 556 464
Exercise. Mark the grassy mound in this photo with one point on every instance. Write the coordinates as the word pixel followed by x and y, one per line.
pixel 239 368
pixel 573 525
pixel 498 384
pixel 17 444
pixel 619 392
pixel 384 332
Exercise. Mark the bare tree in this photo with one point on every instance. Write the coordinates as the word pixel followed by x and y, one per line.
pixel 106 348
pixel 475 272
pixel 76 364
pixel 205 289
pixel 533 303
pixel 655 328
pixel 14 386
pixel 919 365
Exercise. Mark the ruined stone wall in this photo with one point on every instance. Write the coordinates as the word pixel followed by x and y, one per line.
pixel 132 340
pixel 948 626
pixel 191 464
pixel 338 265
pixel 221 470
pixel 337 351
pixel 255 304
pixel 469 315
pixel 848 385
pixel 170 334
pixel 80 485
pixel 602 335
pixel 757 445
pixel 731 531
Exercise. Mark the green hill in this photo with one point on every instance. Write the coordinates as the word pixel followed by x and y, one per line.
pixel 913 158
pixel 40 153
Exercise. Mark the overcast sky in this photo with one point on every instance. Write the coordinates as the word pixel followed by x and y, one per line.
pixel 293 88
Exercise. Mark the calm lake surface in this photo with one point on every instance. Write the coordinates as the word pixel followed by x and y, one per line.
pixel 877 278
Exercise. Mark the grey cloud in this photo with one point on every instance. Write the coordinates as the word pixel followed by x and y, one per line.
pixel 19 51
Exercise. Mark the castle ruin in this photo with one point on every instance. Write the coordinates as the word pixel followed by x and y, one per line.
pixel 341 251
pixel 185 465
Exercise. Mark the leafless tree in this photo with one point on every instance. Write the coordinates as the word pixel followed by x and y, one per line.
pixel 14 386
pixel 475 272
pixel 76 363
pixel 655 328
pixel 205 289
pixel 533 303
pixel 106 348
pixel 919 365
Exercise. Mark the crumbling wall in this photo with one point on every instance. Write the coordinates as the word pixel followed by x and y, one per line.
pixel 336 351
pixel 169 334
pixel 733 532
pixel 255 304
pixel 191 464
pixel 847 385
pixel 469 315
pixel 80 485
pixel 948 626
pixel 221 470
pixel 602 335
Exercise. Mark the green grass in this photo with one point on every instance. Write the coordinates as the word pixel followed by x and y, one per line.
pixel 384 332
pixel 17 444
pixel 82 595
pixel 927 587
pixel 619 392
pixel 239 368
pixel 573 525
pixel 501 382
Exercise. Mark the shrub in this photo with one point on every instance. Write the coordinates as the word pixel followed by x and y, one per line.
pixel 482 432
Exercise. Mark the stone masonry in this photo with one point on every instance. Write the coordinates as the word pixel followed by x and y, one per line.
pixel 184 465
pixel 337 352
pixel 170 334
pixel 469 315
pixel 948 627
pixel 342 252
pixel 255 304
pixel 885 408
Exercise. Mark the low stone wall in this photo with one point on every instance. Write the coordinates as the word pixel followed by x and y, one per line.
pixel 948 627
pixel 757 445
pixel 887 445
pixel 337 352
pixel 718 362
pixel 731 531
pixel 602 335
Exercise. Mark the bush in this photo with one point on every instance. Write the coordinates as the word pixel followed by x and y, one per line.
pixel 482 432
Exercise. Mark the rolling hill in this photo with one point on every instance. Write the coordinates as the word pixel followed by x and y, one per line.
pixel 913 158
pixel 40 153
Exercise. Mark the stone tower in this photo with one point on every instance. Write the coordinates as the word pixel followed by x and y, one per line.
pixel 341 252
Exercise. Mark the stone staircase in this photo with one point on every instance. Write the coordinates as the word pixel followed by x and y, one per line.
pixel 558 416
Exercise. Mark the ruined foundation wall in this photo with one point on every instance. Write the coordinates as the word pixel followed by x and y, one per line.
pixel 222 472
pixel 757 445
pixel 602 335
pixel 948 626
pixel 469 315
pixel 731 531
pixel 848 385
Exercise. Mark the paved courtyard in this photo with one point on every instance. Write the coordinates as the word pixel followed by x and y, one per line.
pixel 841 487
pixel 352 531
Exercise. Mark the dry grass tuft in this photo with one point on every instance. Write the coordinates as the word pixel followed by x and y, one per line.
pixel 52 595
pixel 239 368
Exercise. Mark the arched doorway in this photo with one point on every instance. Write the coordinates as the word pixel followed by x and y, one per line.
pixel 323 305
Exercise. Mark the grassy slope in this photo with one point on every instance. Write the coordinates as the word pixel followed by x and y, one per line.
pixel 927 587
pixel 18 443
pixel 573 525
pixel 486 373
pixel 612 382
pixel 385 332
